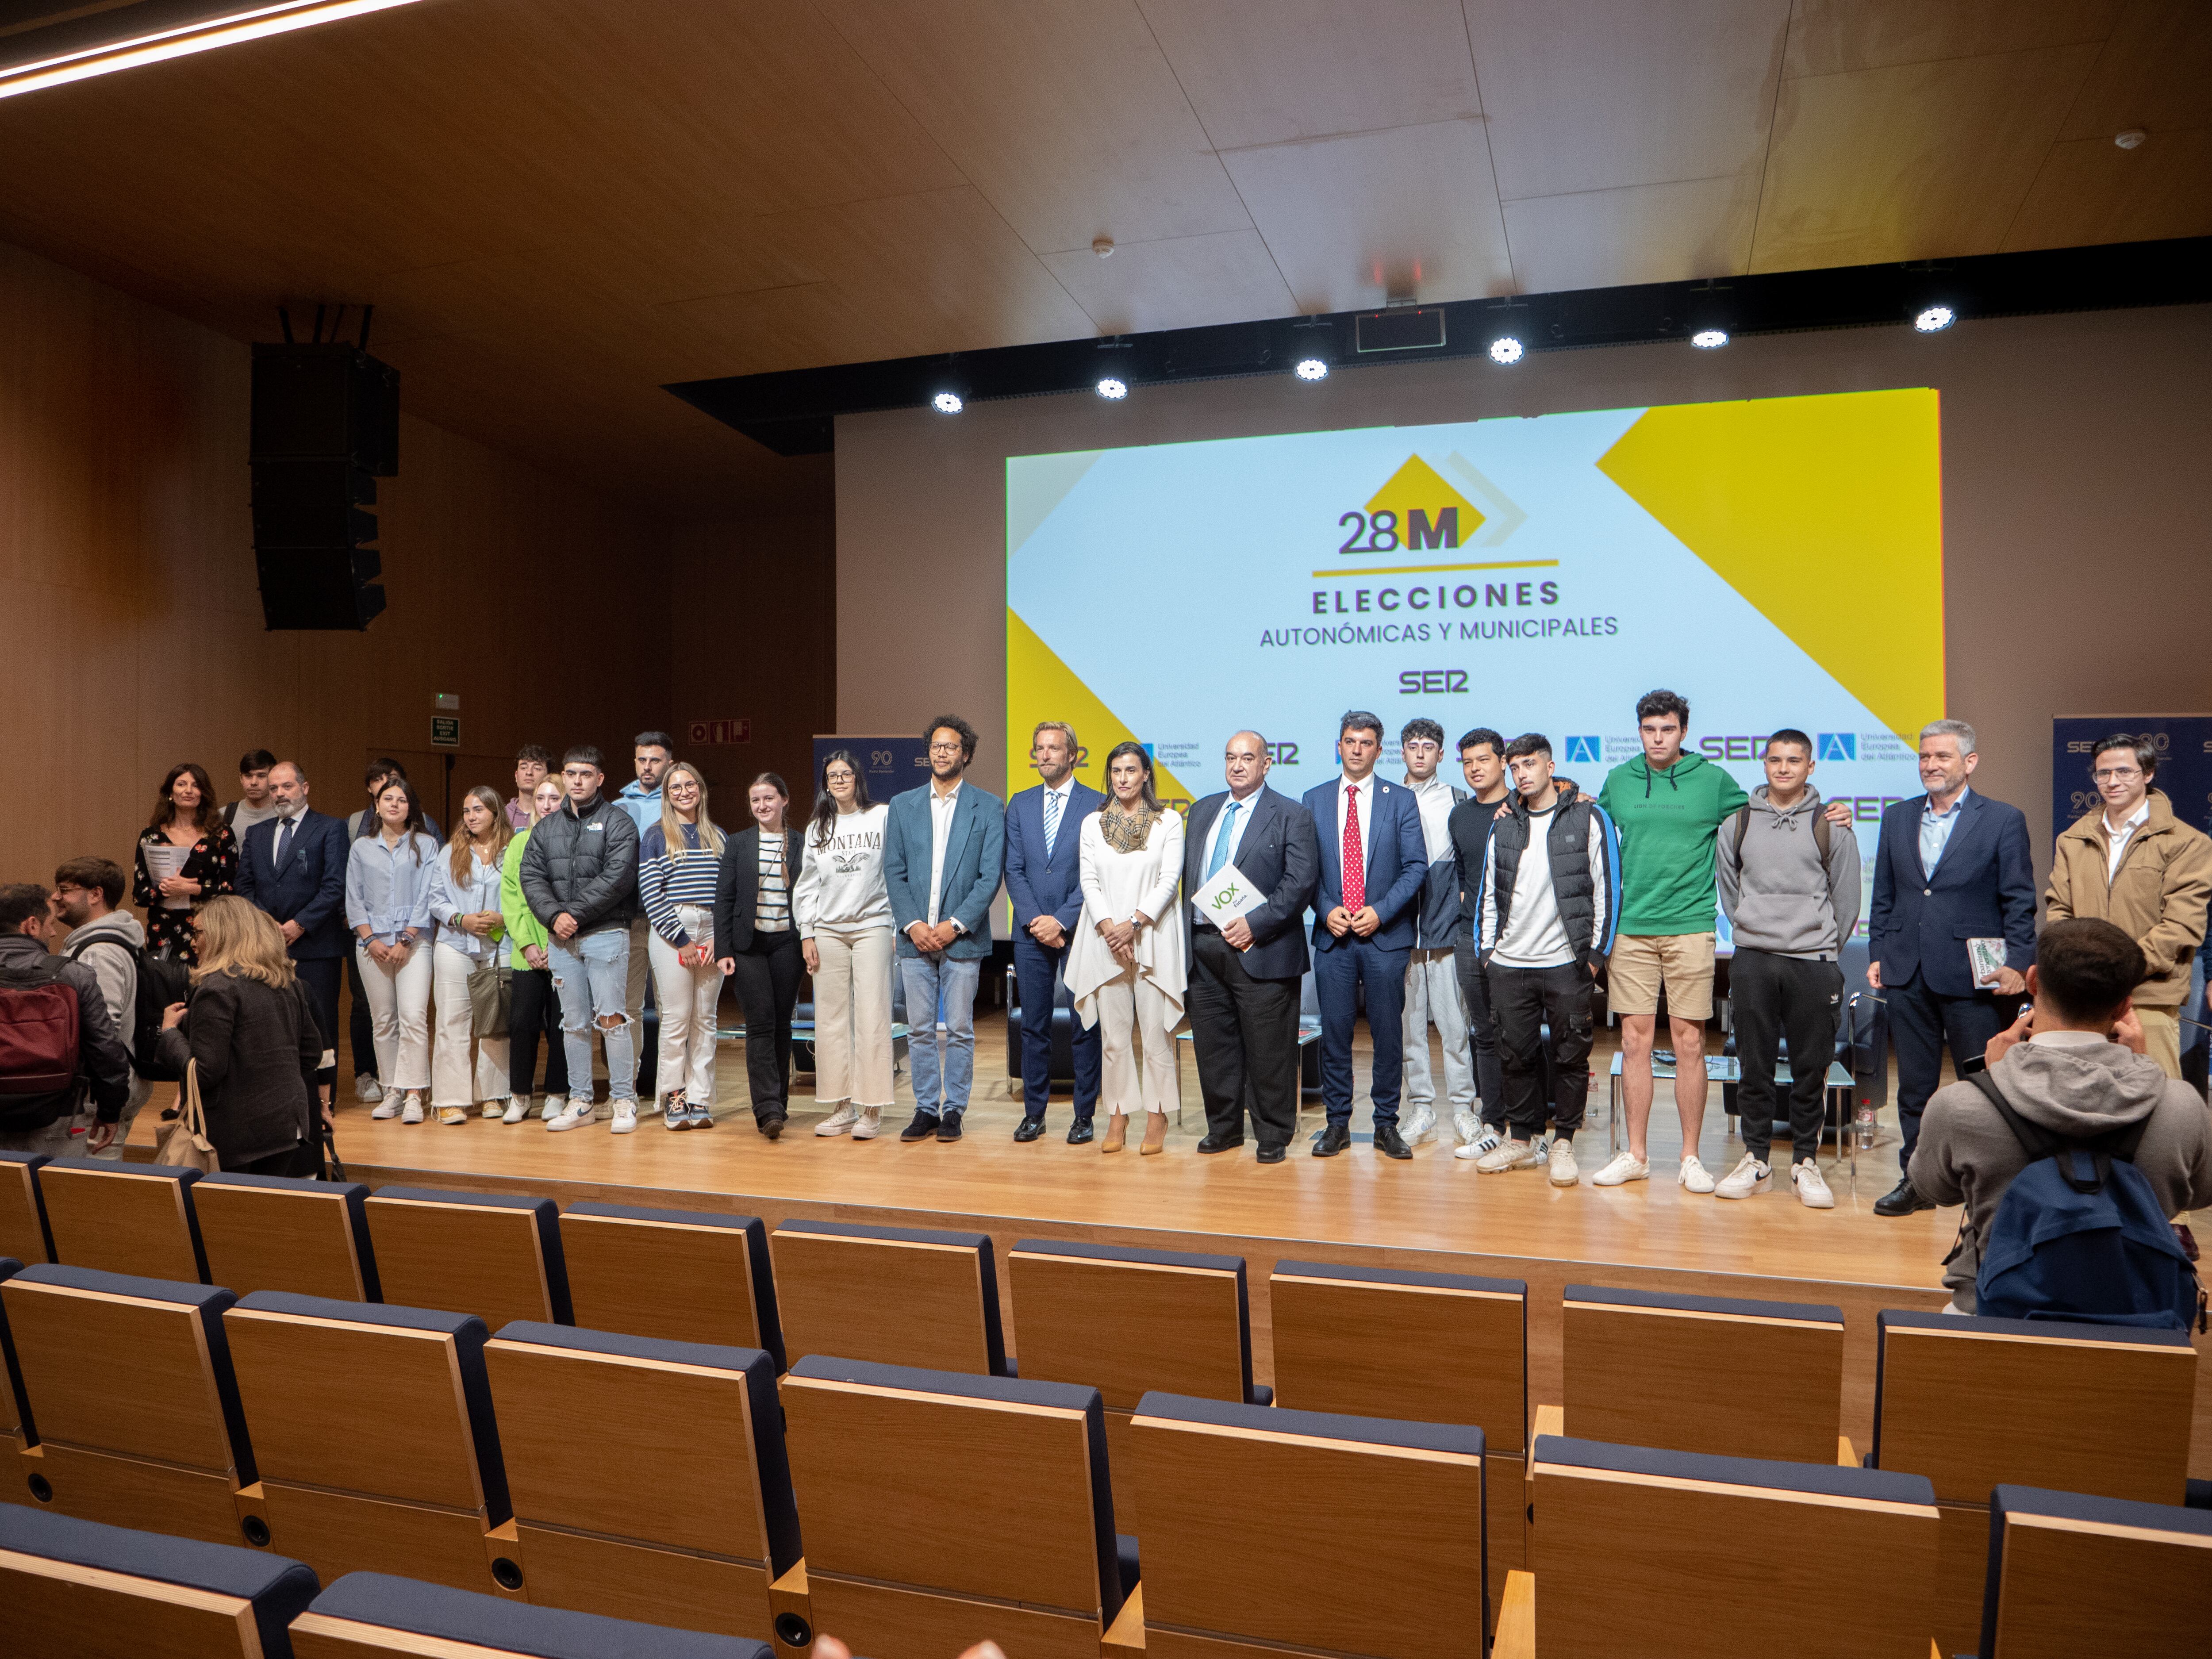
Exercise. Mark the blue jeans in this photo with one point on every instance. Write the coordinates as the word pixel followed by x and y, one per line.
pixel 591 972
pixel 941 991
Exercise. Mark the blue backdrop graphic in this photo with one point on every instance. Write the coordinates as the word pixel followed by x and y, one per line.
pixel 2184 765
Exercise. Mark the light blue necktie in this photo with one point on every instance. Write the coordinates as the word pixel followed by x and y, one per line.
pixel 1221 841
pixel 1051 821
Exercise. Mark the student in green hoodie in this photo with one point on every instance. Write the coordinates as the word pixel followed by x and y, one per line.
pixel 1669 807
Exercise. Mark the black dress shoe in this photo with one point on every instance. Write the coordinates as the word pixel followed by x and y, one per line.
pixel 1902 1199
pixel 948 1126
pixel 1332 1140
pixel 1220 1143
pixel 924 1128
pixel 1079 1132
pixel 772 1124
pixel 1389 1142
pixel 1029 1129
pixel 1271 1154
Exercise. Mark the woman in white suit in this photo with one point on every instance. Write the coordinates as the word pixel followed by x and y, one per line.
pixel 1125 965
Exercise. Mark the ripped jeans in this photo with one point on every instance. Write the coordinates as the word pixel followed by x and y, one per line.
pixel 590 976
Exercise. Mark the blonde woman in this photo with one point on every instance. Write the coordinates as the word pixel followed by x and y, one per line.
pixel 1125 968
pixel 387 903
pixel 249 1026
pixel 844 916
pixel 534 1009
pixel 677 862
pixel 472 931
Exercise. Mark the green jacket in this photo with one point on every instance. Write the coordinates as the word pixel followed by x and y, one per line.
pixel 523 928
pixel 1669 822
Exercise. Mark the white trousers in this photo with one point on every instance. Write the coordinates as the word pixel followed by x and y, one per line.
pixel 1433 993
pixel 451 1083
pixel 852 1017
pixel 686 997
pixel 1131 1007
pixel 399 1015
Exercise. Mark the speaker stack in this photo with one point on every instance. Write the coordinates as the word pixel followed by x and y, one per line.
pixel 326 428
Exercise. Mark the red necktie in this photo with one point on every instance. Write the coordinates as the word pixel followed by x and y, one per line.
pixel 1355 854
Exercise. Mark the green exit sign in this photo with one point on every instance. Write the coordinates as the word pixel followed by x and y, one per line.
pixel 444 731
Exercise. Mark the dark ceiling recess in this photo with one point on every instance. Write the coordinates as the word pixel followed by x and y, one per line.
pixel 794 413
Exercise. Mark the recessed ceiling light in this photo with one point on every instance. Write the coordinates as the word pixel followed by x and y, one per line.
pixel 1709 339
pixel 1311 368
pixel 1505 349
pixel 248 23
pixel 1935 320
pixel 2132 139
pixel 947 403
pixel 1112 389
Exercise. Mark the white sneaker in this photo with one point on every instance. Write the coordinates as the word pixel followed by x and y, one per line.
pixel 1543 1148
pixel 411 1110
pixel 1485 1140
pixel 1812 1190
pixel 839 1120
pixel 367 1089
pixel 1566 1172
pixel 387 1108
pixel 625 1118
pixel 576 1117
pixel 870 1125
pixel 1420 1125
pixel 1507 1155
pixel 552 1107
pixel 495 1109
pixel 1466 1125
pixel 517 1109
pixel 1695 1177
pixel 1748 1177
pixel 1623 1167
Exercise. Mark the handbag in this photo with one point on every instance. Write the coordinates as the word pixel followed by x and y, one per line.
pixel 491 995
pixel 185 1142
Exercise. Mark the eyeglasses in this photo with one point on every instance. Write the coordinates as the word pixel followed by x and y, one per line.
pixel 949 749
pixel 2117 774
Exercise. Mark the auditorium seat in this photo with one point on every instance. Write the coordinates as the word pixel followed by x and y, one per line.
pixel 2071 1575
pixel 18 1430
pixel 942 1508
pixel 1639 1550
pixel 129 1383
pixel 1127 1322
pixel 285 1233
pixel 680 1275
pixel 1426 1348
pixel 647 1477
pixel 77 1589
pixel 1273 1528
pixel 23 1233
pixel 900 1296
pixel 374 1437
pixel 124 1217
pixel 1680 1373
pixel 497 1255
pixel 365 1613
pixel 1972 1403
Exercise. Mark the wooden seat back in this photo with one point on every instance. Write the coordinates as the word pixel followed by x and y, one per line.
pixel 133 1219
pixel 18 1430
pixel 1129 1322
pixel 897 1296
pixel 284 1233
pixel 364 1614
pixel 497 1255
pixel 677 1275
pixel 2071 1575
pixel 23 1233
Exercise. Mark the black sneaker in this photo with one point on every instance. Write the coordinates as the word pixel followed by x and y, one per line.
pixel 948 1126
pixel 924 1128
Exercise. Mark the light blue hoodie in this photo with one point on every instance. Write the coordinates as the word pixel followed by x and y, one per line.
pixel 642 805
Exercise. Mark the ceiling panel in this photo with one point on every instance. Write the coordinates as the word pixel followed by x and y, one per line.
pixel 2155 72
pixel 1355 220
pixel 1909 162
pixel 1678 232
pixel 1587 94
pixel 1184 283
pixel 1062 112
pixel 1311 69
pixel 2092 190
pixel 1828 36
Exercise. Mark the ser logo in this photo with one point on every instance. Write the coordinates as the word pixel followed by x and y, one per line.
pixel 1282 754
pixel 1432 682
pixel 1837 745
pixel 1416 512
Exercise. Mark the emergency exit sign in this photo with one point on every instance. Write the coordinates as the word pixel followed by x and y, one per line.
pixel 444 731
pixel 714 731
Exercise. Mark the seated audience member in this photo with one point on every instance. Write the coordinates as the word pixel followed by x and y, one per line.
pixel 2075 1066
pixel 254 803
pixel 33 1118
pixel 533 765
pixel 468 1065
pixel 388 880
pixel 533 1008
pixel 107 940
pixel 678 863
pixel 186 816
pixel 250 1028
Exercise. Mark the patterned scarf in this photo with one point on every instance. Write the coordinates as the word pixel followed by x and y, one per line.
pixel 1128 830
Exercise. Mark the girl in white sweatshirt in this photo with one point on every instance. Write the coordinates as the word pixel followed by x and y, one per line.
pixel 844 917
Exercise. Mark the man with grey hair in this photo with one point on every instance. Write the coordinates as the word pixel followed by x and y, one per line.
pixel 1952 869
pixel 1044 880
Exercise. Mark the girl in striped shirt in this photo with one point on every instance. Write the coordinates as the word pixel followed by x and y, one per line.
pixel 677 861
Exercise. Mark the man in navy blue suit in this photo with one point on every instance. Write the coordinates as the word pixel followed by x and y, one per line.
pixel 294 865
pixel 1373 863
pixel 1954 866
pixel 1044 828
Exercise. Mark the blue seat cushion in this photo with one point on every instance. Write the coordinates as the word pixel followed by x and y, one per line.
pixel 352 1194
pixel 279 1588
pixel 183 1176
pixel 757 1256
pixel 995 1341
pixel 1821 1479
pixel 1400 1276
pixel 548 1216
pixel 1811 1312
pixel 1226 1264
pixel 9 1268
pixel 469 1337
pixel 491 1621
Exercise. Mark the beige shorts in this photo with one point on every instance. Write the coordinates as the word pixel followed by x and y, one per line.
pixel 1642 962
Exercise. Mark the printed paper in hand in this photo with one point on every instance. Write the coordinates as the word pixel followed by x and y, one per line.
pixel 1985 956
pixel 1227 897
pixel 162 861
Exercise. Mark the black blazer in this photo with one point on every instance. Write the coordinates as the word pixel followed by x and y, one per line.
pixel 1280 854
pixel 258 1051
pixel 736 886
pixel 310 888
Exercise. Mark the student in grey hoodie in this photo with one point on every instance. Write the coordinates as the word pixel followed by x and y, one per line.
pixel 106 941
pixel 2075 1065
pixel 1790 884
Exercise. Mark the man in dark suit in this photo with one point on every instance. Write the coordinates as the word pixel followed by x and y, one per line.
pixel 1044 834
pixel 294 866
pixel 1245 974
pixel 1954 866
pixel 1374 862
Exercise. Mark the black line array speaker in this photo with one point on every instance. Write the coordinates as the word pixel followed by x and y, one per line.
pixel 325 427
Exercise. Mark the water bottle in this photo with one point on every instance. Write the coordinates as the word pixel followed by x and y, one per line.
pixel 1866 1127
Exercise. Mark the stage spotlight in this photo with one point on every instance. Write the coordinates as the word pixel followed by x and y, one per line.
pixel 947 403
pixel 1935 320
pixel 1709 339
pixel 1505 349
pixel 1311 368
pixel 1113 390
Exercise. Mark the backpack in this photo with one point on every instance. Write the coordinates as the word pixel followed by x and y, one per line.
pixel 37 1030
pixel 1824 833
pixel 160 980
pixel 2080 1235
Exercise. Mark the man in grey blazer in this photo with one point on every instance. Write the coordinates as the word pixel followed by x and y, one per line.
pixel 944 851
pixel 1245 974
